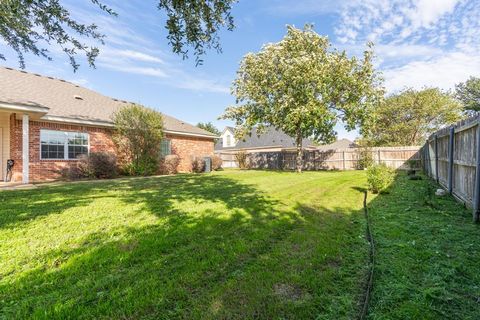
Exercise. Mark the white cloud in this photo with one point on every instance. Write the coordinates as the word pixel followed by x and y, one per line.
pixel 304 7
pixel 418 42
pixel 146 71
pixel 427 12
pixel 443 72
pixel 134 55
pixel 397 20
pixel 406 50
pixel 203 85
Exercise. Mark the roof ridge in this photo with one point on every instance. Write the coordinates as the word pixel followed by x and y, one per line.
pixel 65 81
pixel 41 75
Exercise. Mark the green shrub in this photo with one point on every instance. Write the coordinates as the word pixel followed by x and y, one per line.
pixel 102 165
pixel 198 164
pixel 169 164
pixel 365 158
pixel 72 172
pixel 146 166
pixel 242 160
pixel 99 165
pixel 138 136
pixel 379 177
pixel 217 163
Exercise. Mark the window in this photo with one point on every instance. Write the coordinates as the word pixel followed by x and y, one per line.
pixel 165 148
pixel 62 145
pixel 228 140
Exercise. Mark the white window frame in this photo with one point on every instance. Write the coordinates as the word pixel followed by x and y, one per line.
pixel 65 145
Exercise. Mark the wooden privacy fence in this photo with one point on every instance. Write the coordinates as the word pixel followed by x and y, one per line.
pixel 451 156
pixel 340 159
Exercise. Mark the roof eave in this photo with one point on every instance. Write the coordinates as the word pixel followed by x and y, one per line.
pixel 108 124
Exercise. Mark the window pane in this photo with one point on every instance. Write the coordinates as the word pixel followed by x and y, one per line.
pixel 51 151
pixel 53 144
pixel 165 148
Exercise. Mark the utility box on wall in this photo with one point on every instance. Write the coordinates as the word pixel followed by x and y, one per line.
pixel 208 164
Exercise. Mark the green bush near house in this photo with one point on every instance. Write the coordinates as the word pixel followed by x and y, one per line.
pixel 379 177
pixel 138 137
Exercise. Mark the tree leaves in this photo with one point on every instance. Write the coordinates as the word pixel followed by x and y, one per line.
pixel 195 23
pixel 468 93
pixel 24 24
pixel 31 26
pixel 301 85
pixel 409 117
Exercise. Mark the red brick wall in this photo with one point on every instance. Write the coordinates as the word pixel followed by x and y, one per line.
pixel 100 140
pixel 41 170
pixel 188 147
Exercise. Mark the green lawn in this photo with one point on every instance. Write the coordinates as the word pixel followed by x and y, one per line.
pixel 231 245
pixel 235 245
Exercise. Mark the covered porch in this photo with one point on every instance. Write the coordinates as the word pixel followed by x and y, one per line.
pixel 16 147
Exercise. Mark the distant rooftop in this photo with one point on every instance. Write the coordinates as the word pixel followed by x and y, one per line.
pixel 271 138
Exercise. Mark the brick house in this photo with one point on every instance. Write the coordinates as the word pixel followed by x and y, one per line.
pixel 46 123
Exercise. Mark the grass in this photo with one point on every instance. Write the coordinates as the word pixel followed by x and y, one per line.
pixel 230 245
pixel 427 255
pixel 235 245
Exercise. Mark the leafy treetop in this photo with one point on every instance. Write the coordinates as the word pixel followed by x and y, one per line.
pixel 208 126
pixel 410 116
pixel 303 87
pixel 30 26
pixel 468 93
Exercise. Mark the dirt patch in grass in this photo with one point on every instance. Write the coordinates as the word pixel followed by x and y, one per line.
pixel 289 292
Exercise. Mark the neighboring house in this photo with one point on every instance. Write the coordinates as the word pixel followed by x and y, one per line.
pixel 337 145
pixel 46 123
pixel 271 140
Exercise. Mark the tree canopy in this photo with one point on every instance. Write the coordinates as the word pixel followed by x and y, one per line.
pixel 208 126
pixel 303 87
pixel 468 93
pixel 31 26
pixel 410 116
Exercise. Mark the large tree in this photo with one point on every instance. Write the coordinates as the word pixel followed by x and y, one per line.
pixel 468 93
pixel 410 116
pixel 31 26
pixel 208 126
pixel 303 87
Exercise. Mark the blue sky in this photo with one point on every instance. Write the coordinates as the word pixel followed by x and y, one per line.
pixel 418 43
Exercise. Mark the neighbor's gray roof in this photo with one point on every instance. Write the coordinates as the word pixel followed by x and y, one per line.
pixel 271 138
pixel 339 144
pixel 20 87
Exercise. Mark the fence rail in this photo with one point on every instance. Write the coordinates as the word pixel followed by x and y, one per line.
pixel 340 159
pixel 451 156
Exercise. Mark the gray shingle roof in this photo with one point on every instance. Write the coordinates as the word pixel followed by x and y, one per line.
pixel 339 144
pixel 271 138
pixel 68 100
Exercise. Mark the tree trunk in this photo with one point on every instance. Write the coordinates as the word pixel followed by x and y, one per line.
pixel 299 152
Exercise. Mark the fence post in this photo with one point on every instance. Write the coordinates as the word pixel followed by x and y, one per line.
pixel 436 159
pixel 344 165
pixel 476 197
pixel 378 153
pixel 450 159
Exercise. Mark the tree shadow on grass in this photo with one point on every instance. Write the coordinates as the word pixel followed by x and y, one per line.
pixel 258 259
